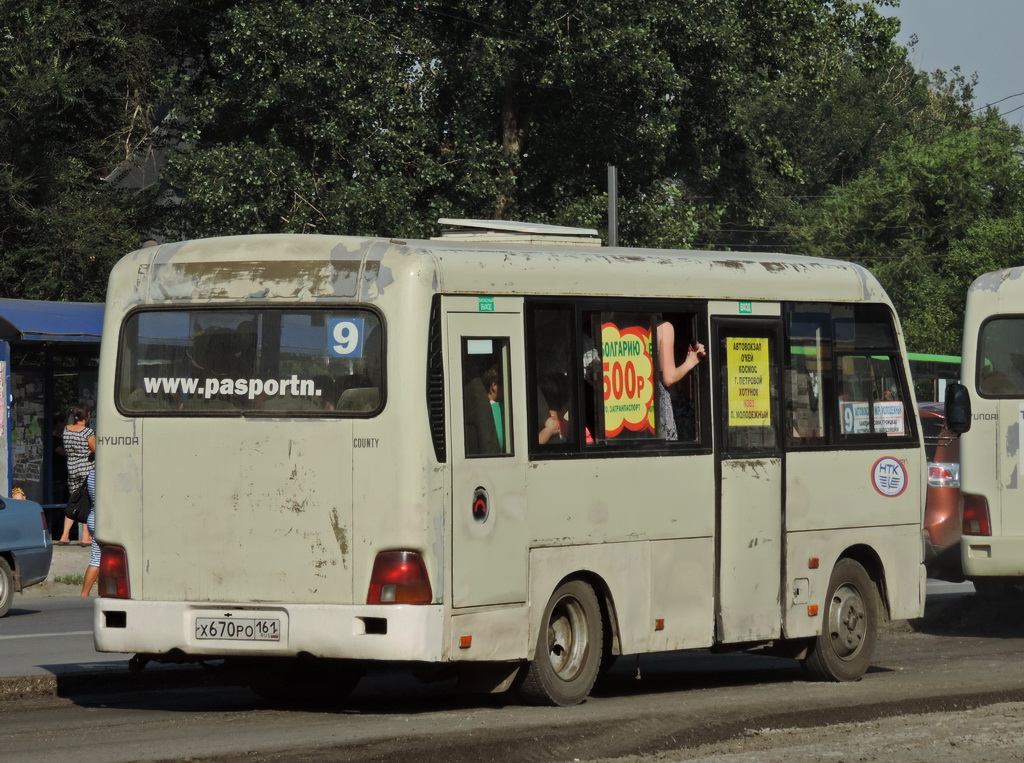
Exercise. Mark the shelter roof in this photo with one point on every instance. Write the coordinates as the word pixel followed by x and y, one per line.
pixel 29 320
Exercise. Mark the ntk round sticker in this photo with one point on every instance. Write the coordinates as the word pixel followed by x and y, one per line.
pixel 889 476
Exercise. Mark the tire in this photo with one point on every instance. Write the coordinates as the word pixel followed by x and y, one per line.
pixel 569 648
pixel 843 650
pixel 6 587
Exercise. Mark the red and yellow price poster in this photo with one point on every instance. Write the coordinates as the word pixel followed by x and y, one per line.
pixel 748 378
pixel 628 379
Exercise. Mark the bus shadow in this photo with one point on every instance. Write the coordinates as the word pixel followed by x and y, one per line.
pixel 398 693
pixel 992 615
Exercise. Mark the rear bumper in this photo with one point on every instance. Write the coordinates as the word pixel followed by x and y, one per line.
pixel 391 632
pixel 33 564
pixel 983 556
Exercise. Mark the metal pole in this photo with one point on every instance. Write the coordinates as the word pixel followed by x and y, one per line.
pixel 613 205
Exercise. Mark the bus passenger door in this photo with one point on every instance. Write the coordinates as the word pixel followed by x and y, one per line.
pixel 749 517
pixel 486 365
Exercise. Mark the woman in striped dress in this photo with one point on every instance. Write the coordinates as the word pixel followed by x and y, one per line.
pixel 80 446
pixel 92 572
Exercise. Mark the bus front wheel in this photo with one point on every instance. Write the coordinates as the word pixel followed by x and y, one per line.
pixel 843 649
pixel 569 647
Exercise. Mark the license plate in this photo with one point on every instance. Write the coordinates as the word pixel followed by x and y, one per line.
pixel 238 628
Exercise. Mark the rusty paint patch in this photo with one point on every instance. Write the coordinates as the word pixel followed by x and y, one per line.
pixel 754 467
pixel 734 264
pixel 340 535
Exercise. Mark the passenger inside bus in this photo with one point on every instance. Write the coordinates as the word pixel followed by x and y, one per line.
pixel 493 389
pixel 675 411
pixel 485 408
pixel 481 434
pixel 550 429
pixel 554 380
pixel 553 409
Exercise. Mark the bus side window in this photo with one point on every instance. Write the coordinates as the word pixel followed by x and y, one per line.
pixel 486 401
pixel 1002 372
pixel 871 401
pixel 872 394
pixel 808 373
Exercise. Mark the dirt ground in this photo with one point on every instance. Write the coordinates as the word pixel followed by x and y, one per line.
pixel 994 733
pixel 990 733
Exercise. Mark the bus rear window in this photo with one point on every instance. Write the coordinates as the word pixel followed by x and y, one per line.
pixel 274 362
pixel 1000 361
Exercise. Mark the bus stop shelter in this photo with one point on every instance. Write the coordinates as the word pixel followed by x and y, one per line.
pixel 49 360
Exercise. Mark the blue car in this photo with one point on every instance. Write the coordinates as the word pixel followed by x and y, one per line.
pixel 26 548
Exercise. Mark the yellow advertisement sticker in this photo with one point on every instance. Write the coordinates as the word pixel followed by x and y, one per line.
pixel 628 379
pixel 748 382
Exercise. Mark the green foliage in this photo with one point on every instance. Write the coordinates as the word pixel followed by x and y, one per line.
pixel 939 208
pixel 375 118
pixel 76 83
pixel 791 124
pixel 77 579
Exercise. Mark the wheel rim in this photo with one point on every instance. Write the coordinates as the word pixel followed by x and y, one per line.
pixel 847 621
pixel 567 638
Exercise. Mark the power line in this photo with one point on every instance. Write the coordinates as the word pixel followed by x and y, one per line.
pixel 987 105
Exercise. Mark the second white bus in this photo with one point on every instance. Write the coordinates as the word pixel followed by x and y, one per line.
pixel 991 457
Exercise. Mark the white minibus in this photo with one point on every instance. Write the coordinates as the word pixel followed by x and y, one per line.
pixel 474 456
pixel 991 459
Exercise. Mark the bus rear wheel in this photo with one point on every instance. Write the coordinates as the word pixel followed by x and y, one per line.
pixel 569 647
pixel 843 649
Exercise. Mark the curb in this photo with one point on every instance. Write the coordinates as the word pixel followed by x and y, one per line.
pixel 70 685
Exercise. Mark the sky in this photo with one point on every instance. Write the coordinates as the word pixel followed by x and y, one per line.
pixel 979 36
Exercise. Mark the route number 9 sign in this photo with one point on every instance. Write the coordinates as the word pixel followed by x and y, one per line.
pixel 345 338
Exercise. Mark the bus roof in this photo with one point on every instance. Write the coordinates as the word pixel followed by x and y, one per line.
pixel 290 266
pixel 999 285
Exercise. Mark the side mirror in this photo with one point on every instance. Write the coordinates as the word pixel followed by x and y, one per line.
pixel 958 408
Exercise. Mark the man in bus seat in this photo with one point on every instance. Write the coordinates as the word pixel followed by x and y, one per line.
pixel 490 380
pixel 481 434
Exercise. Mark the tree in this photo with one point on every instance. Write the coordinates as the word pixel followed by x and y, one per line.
pixel 76 92
pixel 376 118
pixel 942 206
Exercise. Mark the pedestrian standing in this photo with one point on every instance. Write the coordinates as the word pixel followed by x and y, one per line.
pixel 80 446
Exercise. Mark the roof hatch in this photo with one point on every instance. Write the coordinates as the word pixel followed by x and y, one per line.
pixel 512 232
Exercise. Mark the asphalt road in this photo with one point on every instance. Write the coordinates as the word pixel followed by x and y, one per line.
pixel 674 707
pixel 947 688
pixel 51 635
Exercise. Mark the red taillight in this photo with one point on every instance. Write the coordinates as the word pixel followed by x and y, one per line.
pixel 399 577
pixel 113 580
pixel 944 475
pixel 46 525
pixel 976 516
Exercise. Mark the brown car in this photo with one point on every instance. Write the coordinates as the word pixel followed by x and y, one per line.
pixel 943 508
